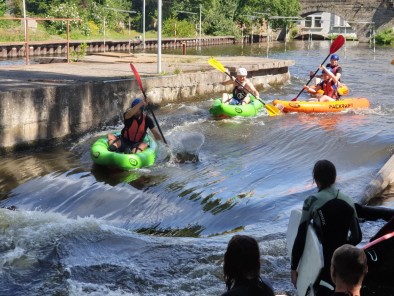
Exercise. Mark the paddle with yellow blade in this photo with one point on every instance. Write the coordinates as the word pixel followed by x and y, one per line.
pixel 336 44
pixel 272 110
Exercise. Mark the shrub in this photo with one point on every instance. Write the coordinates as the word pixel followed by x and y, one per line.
pixel 385 37
pixel 183 28
pixel 79 54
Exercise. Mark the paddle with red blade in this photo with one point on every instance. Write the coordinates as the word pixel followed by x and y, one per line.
pixel 137 76
pixel 336 44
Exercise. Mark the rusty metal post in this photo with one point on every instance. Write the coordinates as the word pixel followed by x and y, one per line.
pixel 68 41
pixel 27 49
pixel 184 48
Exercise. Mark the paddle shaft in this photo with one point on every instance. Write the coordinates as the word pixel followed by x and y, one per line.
pixel 137 76
pixel 154 117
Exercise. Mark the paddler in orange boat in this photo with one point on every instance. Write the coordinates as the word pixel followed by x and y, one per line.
pixel 329 85
pixel 336 69
pixel 333 66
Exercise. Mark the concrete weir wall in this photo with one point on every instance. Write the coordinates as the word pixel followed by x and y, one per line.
pixel 32 115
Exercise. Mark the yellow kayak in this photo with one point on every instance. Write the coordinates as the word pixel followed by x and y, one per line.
pixel 322 107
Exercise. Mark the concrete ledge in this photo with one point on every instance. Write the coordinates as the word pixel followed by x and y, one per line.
pixel 41 109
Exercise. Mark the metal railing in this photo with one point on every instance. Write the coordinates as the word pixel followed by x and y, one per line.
pixel 26 24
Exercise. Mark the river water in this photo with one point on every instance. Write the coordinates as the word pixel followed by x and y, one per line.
pixel 81 230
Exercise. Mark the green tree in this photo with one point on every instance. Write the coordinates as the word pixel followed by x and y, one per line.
pixel 150 14
pixel 183 28
pixel 3 7
pixel 219 18
pixel 40 7
pixel 66 10
pixel 284 8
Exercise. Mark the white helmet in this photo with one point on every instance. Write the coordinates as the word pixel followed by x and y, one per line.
pixel 242 72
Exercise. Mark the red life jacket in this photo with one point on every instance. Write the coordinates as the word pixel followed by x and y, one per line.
pixel 334 70
pixel 136 131
pixel 330 89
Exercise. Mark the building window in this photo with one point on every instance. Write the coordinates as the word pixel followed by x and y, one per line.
pixel 308 22
pixel 318 22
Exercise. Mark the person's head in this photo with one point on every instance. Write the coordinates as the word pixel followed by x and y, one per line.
pixel 242 259
pixel 324 173
pixel 136 102
pixel 334 59
pixel 349 266
pixel 325 74
pixel 242 73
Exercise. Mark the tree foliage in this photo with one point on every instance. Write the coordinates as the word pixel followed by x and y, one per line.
pixel 385 37
pixel 219 17
pixel 173 27
pixel 3 7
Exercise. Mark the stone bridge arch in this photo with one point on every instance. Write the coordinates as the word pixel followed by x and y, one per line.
pixel 358 13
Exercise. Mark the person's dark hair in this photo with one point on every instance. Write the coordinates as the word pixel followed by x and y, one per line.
pixel 325 173
pixel 349 263
pixel 241 260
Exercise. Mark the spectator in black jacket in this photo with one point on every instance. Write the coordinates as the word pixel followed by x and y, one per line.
pixel 242 268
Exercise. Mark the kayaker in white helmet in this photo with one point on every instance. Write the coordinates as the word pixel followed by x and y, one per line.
pixel 242 87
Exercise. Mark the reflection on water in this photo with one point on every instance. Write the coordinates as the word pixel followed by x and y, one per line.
pixel 15 61
pixel 333 122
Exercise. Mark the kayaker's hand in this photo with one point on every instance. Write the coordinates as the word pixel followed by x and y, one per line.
pixel 294 276
pixel 309 89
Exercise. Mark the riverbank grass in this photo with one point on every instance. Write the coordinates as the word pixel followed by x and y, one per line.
pixel 13 31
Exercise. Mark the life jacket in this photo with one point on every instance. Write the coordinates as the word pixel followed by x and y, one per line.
pixel 334 70
pixel 239 93
pixel 330 89
pixel 135 132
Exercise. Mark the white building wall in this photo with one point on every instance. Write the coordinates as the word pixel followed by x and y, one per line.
pixel 324 24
